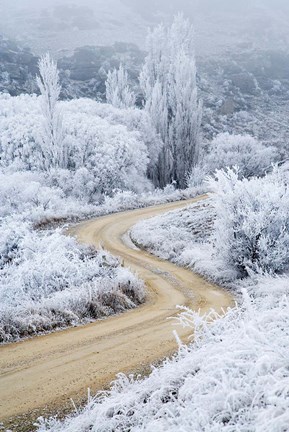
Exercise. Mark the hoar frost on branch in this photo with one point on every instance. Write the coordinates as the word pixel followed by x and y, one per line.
pixel 107 149
pixel 168 82
pixel 118 92
pixel 48 281
pixel 51 137
pixel 251 227
pixel 252 157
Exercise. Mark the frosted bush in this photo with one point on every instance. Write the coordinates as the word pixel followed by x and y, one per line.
pixel 48 281
pixel 252 225
pixel 20 123
pixel 227 151
pixel 33 197
pixel 134 119
pixel 116 157
pixel 100 154
pixel 244 151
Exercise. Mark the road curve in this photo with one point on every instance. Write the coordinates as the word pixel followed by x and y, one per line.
pixel 40 375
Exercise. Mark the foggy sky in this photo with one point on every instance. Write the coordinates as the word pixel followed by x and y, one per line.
pixel 66 24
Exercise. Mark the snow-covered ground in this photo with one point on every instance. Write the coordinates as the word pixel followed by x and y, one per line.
pixel 181 236
pixel 234 376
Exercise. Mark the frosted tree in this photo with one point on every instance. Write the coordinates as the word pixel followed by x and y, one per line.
pixel 51 137
pixel 118 92
pixel 168 82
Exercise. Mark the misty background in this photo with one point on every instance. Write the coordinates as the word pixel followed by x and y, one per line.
pixel 241 51
pixel 60 25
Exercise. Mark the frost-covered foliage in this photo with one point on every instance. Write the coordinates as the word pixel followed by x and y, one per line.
pixel 48 281
pixel 244 151
pixel 20 122
pixel 51 134
pixel 109 156
pixel 168 83
pixel 31 196
pixel 234 376
pixel 252 224
pixel 133 119
pixel 181 236
pixel 227 151
pixel 118 92
pixel 101 155
pixel 246 229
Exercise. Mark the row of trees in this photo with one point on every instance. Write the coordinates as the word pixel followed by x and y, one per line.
pixel 169 90
pixel 170 113
pixel 168 86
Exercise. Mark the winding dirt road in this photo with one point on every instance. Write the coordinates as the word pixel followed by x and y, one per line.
pixel 40 375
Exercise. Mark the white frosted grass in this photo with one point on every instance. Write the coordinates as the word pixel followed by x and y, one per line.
pixel 48 281
pixel 234 377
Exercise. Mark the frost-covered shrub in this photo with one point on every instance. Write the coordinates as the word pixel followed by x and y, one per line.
pixel 48 281
pixel 116 157
pixel 134 119
pixel 12 234
pixel 197 175
pixel 177 236
pixel 33 197
pixel 20 123
pixel 227 151
pixel 100 154
pixel 252 224
pixel 22 191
